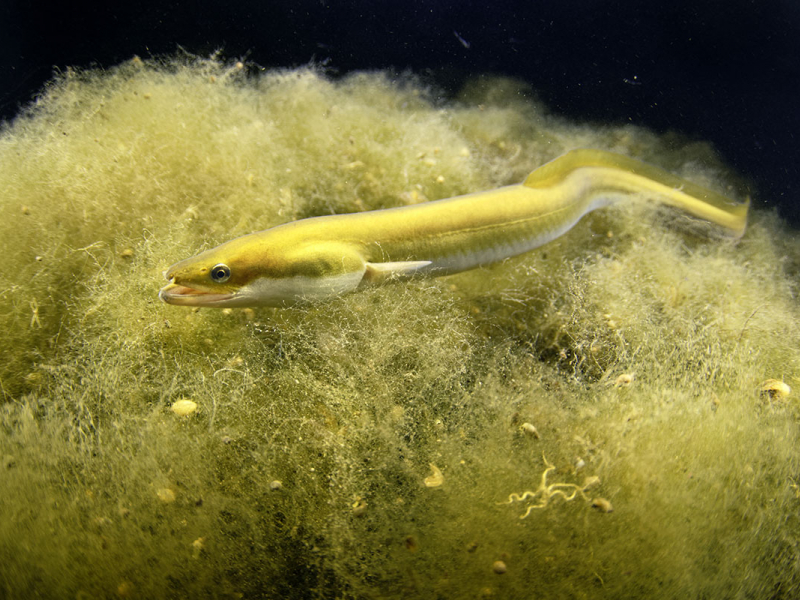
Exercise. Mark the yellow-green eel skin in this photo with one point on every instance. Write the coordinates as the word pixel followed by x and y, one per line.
pixel 322 257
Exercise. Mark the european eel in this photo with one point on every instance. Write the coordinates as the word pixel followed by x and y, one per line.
pixel 322 257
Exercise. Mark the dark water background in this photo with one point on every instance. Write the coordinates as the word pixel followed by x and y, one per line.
pixel 722 71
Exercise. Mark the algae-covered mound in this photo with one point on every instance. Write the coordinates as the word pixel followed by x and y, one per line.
pixel 626 389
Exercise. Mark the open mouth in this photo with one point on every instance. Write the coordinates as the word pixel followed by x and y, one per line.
pixel 174 293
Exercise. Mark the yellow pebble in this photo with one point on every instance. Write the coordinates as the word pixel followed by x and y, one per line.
pixel 33 378
pixel 166 495
pixel 359 507
pixel 352 166
pixel 124 589
pixel 590 482
pixel 775 389
pixel 234 362
pixel 602 505
pixel 529 429
pixel 436 479
pixel 623 380
pixel 499 567
pixel 183 407
pixel 101 521
pixel 198 546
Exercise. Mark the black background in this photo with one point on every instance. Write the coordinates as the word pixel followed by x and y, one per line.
pixel 727 71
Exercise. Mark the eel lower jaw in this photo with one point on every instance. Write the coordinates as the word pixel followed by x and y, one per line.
pixel 181 295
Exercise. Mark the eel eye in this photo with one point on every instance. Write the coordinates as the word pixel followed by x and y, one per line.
pixel 220 273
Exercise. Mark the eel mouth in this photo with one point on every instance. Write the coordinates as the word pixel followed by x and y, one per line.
pixel 181 295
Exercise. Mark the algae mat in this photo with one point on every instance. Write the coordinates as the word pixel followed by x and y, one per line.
pixel 380 445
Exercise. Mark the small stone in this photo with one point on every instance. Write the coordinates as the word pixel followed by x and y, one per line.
pixel 436 479
pixel 352 166
pixel 198 546
pixel 623 380
pixel 775 389
pixel 602 505
pixel 166 495
pixel 33 378
pixel 101 522
pixel 359 508
pixel 499 567
pixel 125 589
pixel 275 485
pixel 234 362
pixel 529 429
pixel 183 407
pixel 590 482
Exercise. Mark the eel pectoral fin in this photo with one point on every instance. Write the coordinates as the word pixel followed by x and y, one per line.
pixel 384 271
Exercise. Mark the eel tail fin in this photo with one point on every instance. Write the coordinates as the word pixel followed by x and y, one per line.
pixel 622 173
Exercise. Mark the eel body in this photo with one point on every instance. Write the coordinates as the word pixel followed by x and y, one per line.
pixel 321 257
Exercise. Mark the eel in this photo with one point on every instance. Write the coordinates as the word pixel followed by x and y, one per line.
pixel 322 257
